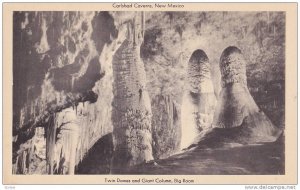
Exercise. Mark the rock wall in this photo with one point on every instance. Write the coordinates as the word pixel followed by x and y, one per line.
pixel 166 126
pixel 66 65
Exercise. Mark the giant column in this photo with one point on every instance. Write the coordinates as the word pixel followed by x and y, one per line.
pixel 132 136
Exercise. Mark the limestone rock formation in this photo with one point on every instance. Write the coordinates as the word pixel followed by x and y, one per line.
pixel 31 157
pixel 80 88
pixel 62 60
pixel 236 110
pixel 166 126
pixel 62 139
pixel 131 104
pixel 199 99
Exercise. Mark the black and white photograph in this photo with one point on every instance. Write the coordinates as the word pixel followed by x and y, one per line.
pixel 148 93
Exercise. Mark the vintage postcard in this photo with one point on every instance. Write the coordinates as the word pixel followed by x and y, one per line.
pixel 150 93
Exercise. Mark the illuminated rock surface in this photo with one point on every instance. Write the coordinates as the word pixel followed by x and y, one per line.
pixel 132 133
pixel 71 65
pixel 199 100
pixel 236 108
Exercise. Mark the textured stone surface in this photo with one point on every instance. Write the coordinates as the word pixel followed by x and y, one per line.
pixel 63 60
pixel 198 100
pixel 66 64
pixel 166 126
pixel 131 104
pixel 62 141
pixel 236 107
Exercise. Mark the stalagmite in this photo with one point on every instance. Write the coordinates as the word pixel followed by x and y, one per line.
pixel 236 108
pixel 131 103
pixel 199 100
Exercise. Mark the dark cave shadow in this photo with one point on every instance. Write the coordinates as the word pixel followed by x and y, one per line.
pixel 98 158
pixel 63 77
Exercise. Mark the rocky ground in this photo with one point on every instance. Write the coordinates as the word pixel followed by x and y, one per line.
pixel 228 159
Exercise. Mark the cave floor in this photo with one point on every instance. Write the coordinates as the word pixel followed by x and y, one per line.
pixel 259 159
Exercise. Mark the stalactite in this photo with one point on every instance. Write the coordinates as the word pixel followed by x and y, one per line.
pixel 166 126
pixel 37 111
pixel 31 157
pixel 62 139
pixel 50 143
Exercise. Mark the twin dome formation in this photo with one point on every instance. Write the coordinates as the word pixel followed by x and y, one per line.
pixel 234 117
